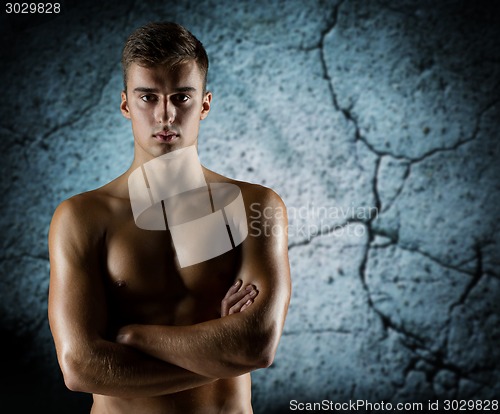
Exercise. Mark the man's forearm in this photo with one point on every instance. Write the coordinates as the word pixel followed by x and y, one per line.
pixel 115 370
pixel 220 348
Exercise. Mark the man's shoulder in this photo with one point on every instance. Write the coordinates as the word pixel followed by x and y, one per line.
pixel 257 193
pixel 86 210
pixel 262 201
pixel 251 192
pixel 82 202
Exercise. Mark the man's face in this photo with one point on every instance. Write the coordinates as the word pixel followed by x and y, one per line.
pixel 165 107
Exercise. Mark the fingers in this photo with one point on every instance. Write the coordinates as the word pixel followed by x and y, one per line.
pixel 233 289
pixel 246 305
pixel 238 299
pixel 247 297
pixel 241 294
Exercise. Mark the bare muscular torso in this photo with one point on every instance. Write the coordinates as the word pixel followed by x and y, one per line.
pixel 145 285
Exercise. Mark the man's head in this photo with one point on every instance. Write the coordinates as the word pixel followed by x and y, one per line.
pixel 165 71
pixel 166 44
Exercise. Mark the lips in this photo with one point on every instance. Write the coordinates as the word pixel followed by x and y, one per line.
pixel 166 136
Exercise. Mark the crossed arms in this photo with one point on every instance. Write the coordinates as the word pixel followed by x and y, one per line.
pixel 149 360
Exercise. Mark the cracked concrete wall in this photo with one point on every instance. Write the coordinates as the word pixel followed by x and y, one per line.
pixel 376 121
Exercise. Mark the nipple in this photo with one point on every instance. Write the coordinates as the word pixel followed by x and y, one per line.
pixel 120 283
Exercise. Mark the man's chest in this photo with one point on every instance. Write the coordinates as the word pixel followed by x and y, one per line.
pixel 145 281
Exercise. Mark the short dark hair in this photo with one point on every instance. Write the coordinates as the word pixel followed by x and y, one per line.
pixel 163 43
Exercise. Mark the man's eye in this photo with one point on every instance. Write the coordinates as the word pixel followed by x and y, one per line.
pixel 148 98
pixel 181 98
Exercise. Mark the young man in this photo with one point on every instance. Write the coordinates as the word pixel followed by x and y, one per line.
pixel 134 326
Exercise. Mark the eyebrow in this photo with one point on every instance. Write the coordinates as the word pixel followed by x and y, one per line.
pixel 156 90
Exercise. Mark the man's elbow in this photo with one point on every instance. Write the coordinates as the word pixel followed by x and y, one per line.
pixel 265 359
pixel 73 375
pixel 263 353
pixel 73 383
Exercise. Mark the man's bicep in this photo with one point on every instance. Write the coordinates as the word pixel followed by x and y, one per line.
pixel 265 261
pixel 76 296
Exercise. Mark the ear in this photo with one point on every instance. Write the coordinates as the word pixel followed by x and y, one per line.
pixel 124 106
pixel 205 105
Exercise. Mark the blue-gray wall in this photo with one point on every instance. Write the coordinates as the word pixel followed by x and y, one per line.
pixel 376 121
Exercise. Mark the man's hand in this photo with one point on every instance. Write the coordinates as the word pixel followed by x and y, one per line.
pixel 237 298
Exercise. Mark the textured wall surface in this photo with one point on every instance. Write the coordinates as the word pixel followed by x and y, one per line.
pixel 376 121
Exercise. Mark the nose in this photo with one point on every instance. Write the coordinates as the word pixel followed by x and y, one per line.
pixel 165 111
